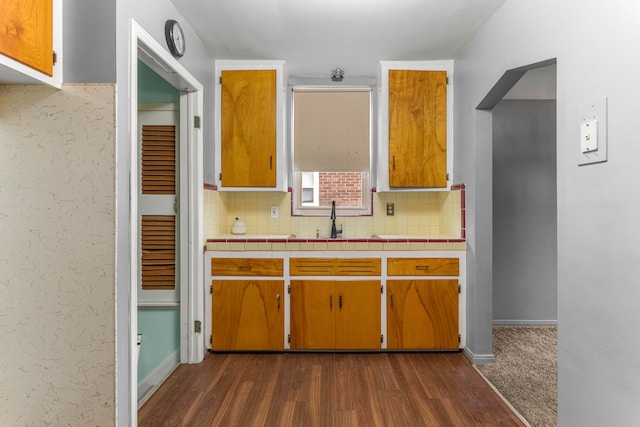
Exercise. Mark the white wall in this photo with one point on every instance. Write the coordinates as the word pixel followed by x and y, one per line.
pixel 57 258
pixel 598 309
pixel 525 288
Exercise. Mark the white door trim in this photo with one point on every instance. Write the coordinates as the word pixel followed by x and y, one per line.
pixel 191 203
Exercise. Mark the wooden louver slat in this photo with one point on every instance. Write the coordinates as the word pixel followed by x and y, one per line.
pixel 158 241
pixel 158 159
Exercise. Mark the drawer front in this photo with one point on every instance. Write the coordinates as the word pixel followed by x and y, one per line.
pixel 247 267
pixel 334 267
pixel 358 267
pixel 423 267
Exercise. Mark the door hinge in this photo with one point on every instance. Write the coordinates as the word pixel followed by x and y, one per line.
pixel 288 289
pixel 382 289
pixel 289 338
pixel 459 288
pixel 459 338
pixel 211 289
pixel 447 79
pixel 210 339
pixel 220 177
pixel 220 79
pixel 381 338
pixel 55 58
pixel 447 176
pixel 197 326
pixel 175 204
pixel 196 122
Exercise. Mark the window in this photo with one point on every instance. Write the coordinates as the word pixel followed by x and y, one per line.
pixel 331 149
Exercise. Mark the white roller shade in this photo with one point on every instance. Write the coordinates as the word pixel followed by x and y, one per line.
pixel 332 130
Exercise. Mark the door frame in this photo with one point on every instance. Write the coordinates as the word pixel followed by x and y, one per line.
pixel 146 48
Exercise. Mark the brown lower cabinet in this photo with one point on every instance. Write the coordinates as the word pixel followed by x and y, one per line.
pixel 335 314
pixel 248 315
pixel 422 314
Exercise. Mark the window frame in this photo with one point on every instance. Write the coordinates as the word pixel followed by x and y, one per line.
pixel 368 180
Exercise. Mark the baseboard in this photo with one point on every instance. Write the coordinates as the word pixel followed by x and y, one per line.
pixel 149 384
pixel 478 359
pixel 507 322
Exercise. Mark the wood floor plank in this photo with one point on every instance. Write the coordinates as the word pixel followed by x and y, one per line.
pixel 327 390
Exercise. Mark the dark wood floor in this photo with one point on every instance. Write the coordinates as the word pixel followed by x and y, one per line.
pixel 327 389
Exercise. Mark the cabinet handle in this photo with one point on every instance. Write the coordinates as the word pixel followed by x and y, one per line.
pixel 270 162
pixel 245 267
pixel 340 302
pixel 278 298
pixel 422 267
pixel 391 297
pixel 394 162
pixel 330 302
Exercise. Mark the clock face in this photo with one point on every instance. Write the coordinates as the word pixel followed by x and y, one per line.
pixel 175 38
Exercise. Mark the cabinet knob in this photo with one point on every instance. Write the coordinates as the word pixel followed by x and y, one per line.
pixel 278 298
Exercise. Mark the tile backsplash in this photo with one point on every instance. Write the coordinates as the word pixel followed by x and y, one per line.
pixel 432 213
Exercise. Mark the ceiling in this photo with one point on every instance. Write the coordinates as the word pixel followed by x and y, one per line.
pixel 315 36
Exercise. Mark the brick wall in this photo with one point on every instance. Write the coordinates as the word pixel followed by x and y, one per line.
pixel 343 187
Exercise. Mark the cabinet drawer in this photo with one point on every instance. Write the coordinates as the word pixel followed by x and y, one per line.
pixel 334 267
pixel 247 267
pixel 423 267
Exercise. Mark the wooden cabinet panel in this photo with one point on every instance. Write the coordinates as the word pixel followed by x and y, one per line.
pixel 423 266
pixel 417 128
pixel 248 315
pixel 422 314
pixel 26 32
pixel 335 266
pixel 247 267
pixel 328 315
pixel 248 127
pixel 313 320
pixel 358 315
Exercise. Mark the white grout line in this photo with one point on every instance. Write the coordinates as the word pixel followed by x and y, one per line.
pixel 526 423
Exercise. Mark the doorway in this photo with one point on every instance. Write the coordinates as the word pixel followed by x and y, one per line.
pixel 524 195
pixel 188 295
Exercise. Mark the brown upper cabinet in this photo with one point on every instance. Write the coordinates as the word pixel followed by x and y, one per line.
pixel 415 135
pixel 249 139
pixel 26 33
pixel 417 128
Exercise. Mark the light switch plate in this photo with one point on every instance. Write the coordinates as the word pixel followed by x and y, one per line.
pixel 592 117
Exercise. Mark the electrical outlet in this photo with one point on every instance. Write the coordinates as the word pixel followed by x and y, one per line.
pixel 274 212
pixel 390 209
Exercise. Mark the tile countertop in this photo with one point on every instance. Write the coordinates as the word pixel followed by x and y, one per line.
pixel 274 242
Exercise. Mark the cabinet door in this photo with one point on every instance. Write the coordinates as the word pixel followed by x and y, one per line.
pixel 248 315
pixel 26 32
pixel 417 128
pixel 313 321
pixel 248 128
pixel 358 315
pixel 422 314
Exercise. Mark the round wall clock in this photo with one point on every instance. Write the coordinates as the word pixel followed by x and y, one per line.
pixel 175 38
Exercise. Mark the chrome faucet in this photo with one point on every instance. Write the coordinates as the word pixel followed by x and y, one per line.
pixel 334 230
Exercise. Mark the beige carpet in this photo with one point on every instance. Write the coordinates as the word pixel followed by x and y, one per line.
pixel 526 371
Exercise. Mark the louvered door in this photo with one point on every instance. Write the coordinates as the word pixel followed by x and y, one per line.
pixel 158 203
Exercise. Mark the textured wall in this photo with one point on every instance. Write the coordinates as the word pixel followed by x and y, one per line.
pixel 57 259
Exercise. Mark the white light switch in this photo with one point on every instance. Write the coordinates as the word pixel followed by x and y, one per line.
pixel 589 136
